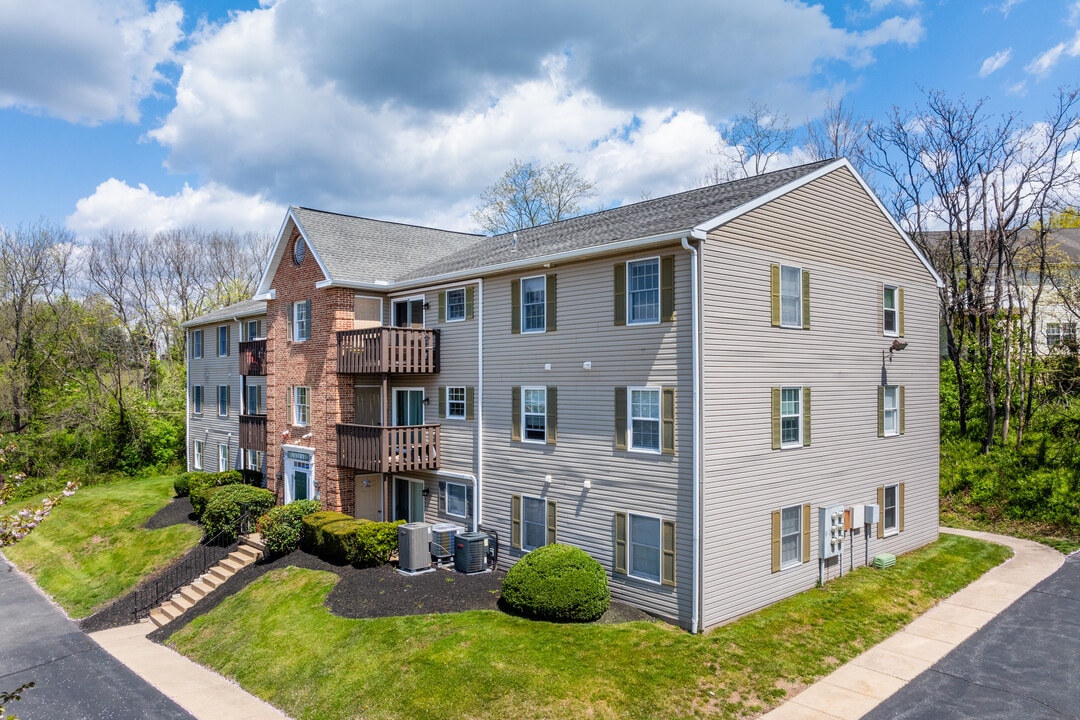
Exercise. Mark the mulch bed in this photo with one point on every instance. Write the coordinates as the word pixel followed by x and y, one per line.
pixel 361 593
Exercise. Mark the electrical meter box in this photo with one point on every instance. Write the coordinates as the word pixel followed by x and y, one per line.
pixel 871 513
pixel 831 530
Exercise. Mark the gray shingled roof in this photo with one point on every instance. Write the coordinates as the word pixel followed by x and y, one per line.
pixel 244 308
pixel 361 250
pixel 673 213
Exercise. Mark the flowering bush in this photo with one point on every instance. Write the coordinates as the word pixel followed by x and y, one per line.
pixel 15 527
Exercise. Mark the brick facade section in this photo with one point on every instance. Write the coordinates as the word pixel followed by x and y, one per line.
pixel 312 364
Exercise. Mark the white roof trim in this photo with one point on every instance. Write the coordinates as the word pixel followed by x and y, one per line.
pixel 702 229
pixel 279 252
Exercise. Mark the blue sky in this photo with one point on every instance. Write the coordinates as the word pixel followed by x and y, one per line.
pixel 122 114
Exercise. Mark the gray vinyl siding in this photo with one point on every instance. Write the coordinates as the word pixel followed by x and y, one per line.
pixel 833 230
pixel 653 484
pixel 210 371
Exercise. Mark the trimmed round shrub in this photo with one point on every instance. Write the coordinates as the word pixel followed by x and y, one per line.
pixel 182 484
pixel 200 496
pixel 376 542
pixel 557 582
pixel 201 481
pixel 311 531
pixel 340 542
pixel 280 526
pixel 224 509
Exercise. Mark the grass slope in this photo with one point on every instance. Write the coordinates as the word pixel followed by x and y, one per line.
pixel 278 640
pixel 92 549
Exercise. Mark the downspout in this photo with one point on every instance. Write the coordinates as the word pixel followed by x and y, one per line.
pixel 479 399
pixel 695 315
pixel 187 399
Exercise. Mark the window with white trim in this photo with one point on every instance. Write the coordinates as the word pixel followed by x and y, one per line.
pixel 301 405
pixel 643 291
pixel 252 329
pixel 223 400
pixel 457 503
pixel 888 510
pixel 890 310
pixel 891 409
pixel 533 522
pixel 455 402
pixel 254 400
pixel 1058 333
pixel 223 340
pixel 791 532
pixel 791 301
pixel 197 453
pixel 223 457
pixel 254 460
pixel 196 399
pixel 301 321
pixel 645 419
pixel 534 414
pixel 790 416
pixel 533 304
pixel 455 305
pixel 645 549
pixel 196 343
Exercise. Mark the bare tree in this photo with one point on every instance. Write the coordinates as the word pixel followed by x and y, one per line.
pixel 528 195
pixel 839 132
pixel 750 144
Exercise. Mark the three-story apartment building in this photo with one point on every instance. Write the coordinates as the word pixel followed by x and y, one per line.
pixel 674 386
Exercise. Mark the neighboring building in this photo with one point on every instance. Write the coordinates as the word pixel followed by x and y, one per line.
pixel 675 386
pixel 226 398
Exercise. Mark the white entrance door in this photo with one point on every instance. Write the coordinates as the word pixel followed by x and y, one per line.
pixel 299 476
pixel 369 497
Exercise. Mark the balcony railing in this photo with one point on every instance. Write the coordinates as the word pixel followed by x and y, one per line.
pixel 388 449
pixel 253 357
pixel 389 350
pixel 253 432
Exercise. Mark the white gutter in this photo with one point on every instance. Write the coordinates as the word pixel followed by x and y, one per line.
pixel 479 396
pixel 699 453
pixel 187 398
pixel 476 491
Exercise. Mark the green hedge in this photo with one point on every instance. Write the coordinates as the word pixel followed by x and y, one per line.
pixel 280 526
pixel 224 509
pixel 557 582
pixel 311 533
pixel 182 484
pixel 337 537
pixel 200 481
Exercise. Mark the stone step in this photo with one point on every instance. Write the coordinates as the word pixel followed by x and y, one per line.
pixel 253 540
pixel 170 610
pixel 232 564
pixel 159 618
pixel 181 602
pixel 244 558
pixel 247 551
pixel 192 594
pixel 221 571
pixel 202 587
pixel 209 578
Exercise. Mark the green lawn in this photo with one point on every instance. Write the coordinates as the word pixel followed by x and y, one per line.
pixel 91 549
pixel 278 640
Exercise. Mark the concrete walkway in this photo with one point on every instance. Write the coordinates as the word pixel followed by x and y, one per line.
pixel 856 688
pixel 202 692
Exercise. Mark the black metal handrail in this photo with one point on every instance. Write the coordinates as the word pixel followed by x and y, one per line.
pixel 208 553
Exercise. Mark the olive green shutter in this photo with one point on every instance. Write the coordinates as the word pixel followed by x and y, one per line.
pixel 620 543
pixel 515 521
pixel 550 296
pixel 667 288
pixel 667 558
pixel 288 323
pixel 552 523
pixel 900 507
pixel 881 512
pixel 776 541
pixel 774 294
pixel 806 533
pixel 620 418
pixel 620 293
pixel 470 403
pixel 806 416
pixel 515 306
pixel 881 411
pixel 667 413
pixel 806 299
pixel 442 401
pixel 515 410
pixel 900 309
pixel 442 306
pixel 552 425
pixel 470 302
pixel 900 411
pixel 776 418
pixel 442 497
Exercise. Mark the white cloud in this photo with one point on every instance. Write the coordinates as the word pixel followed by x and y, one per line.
pixel 879 5
pixel 995 62
pixel 407 110
pixel 84 60
pixel 115 205
pixel 1008 5
pixel 1044 63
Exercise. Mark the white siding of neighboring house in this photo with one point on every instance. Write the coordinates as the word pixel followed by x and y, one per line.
pixel 832 229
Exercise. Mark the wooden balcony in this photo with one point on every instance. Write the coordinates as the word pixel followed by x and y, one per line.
pixel 388 350
pixel 253 432
pixel 388 449
pixel 253 357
